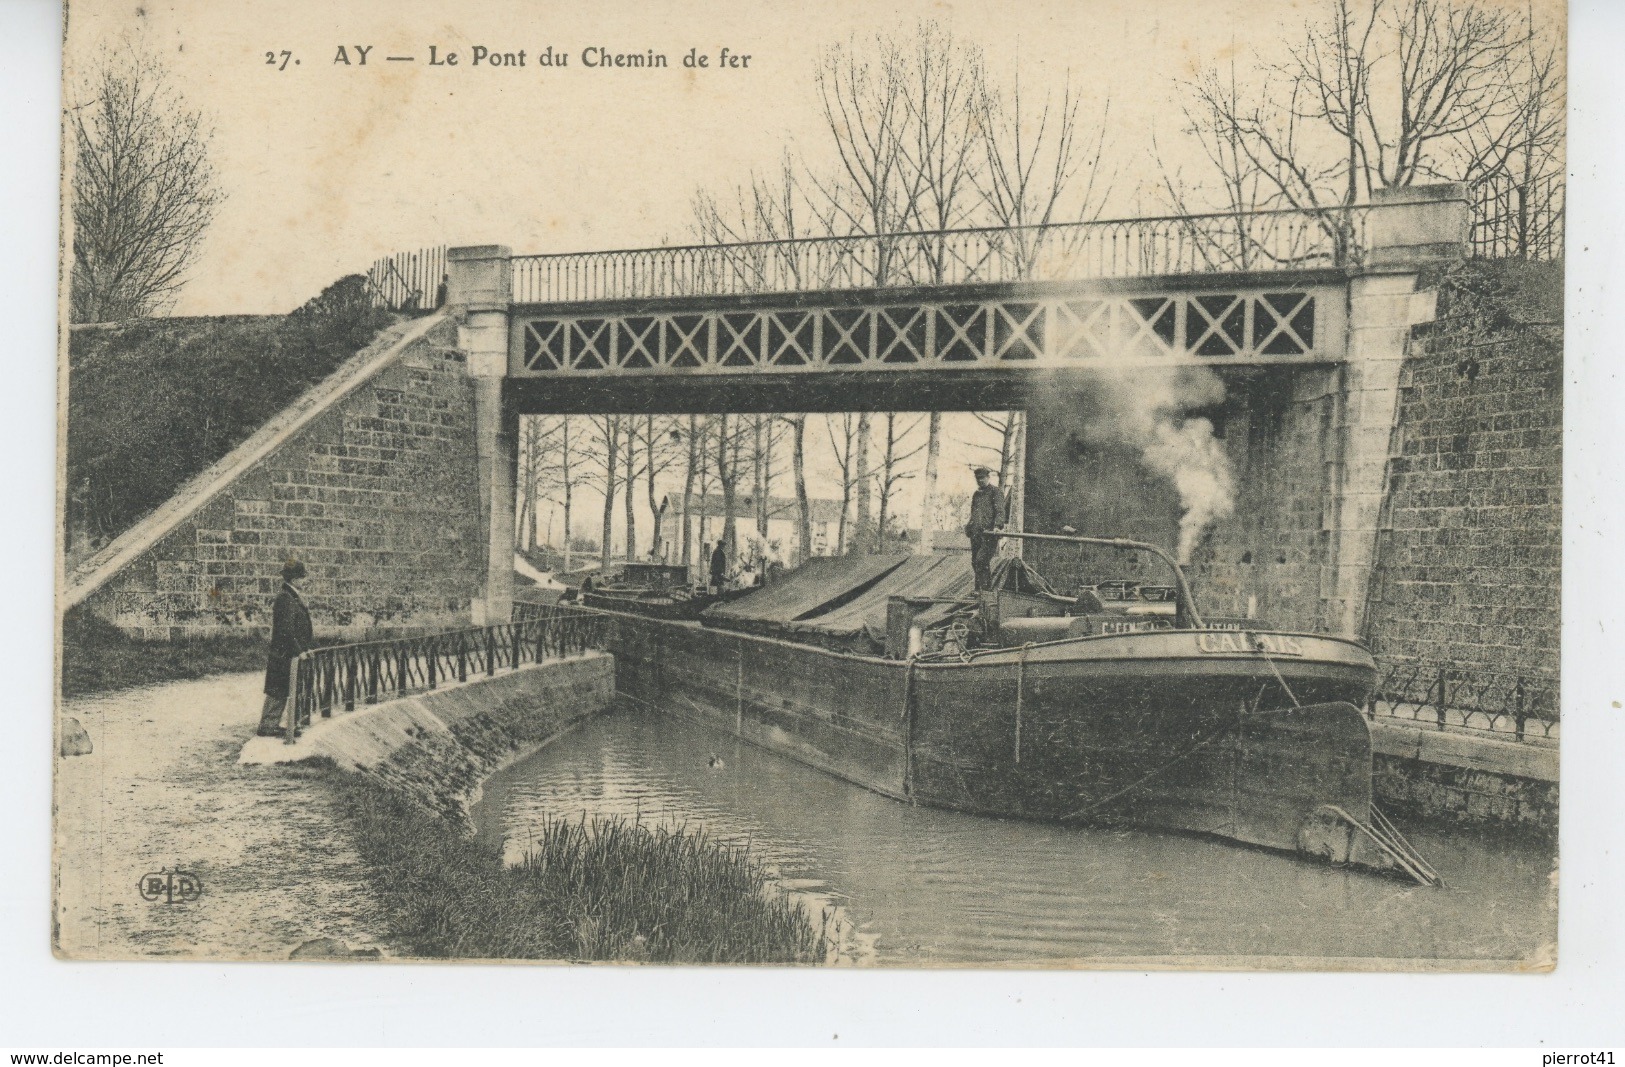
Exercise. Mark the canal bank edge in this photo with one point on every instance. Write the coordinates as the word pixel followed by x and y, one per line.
pixel 1455 778
pixel 405 775
pixel 437 748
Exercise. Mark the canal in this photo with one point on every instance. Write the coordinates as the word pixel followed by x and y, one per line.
pixel 915 886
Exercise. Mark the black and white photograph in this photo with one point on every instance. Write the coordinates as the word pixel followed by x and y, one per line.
pixel 976 485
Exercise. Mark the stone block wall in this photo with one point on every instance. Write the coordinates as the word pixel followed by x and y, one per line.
pixel 378 496
pixel 1469 558
pixel 1268 559
pixel 1275 424
pixel 1439 792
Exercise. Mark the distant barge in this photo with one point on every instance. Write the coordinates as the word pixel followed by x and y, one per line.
pixel 1116 704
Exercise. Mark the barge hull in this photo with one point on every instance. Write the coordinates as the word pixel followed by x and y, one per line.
pixel 1207 745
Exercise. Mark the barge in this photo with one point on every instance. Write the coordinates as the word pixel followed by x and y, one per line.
pixel 1113 704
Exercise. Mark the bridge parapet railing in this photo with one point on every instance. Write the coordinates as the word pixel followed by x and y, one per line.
pixel 337 678
pixel 1113 248
pixel 1509 705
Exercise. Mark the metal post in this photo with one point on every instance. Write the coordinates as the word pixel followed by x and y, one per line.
pixel 1439 703
pixel 490 651
pixel 462 657
pixel 434 657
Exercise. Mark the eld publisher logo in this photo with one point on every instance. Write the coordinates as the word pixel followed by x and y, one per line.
pixel 171 886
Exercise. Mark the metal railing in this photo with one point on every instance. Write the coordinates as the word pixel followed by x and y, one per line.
pixel 1114 248
pixel 409 281
pixel 1519 219
pixel 1511 705
pixel 339 677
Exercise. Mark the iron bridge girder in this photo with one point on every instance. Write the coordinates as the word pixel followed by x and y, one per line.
pixel 1004 331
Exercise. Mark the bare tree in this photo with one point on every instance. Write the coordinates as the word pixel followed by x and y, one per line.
pixel 894 470
pixel 843 446
pixel 759 230
pixel 695 443
pixel 537 442
pixel 1005 424
pixel 929 502
pixel 866 110
pixel 144 191
pixel 603 454
pixel 863 539
pixel 798 460
pixel 568 477
pixel 942 81
pixel 730 449
pixel 1378 94
pixel 1039 168
pixel 662 448
pixel 1516 168
pixel 631 471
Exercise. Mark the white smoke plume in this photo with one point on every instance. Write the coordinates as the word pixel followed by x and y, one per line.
pixel 1145 408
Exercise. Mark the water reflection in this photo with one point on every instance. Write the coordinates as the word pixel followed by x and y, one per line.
pixel 923 886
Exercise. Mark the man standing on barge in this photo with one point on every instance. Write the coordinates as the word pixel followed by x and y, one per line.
pixel 989 511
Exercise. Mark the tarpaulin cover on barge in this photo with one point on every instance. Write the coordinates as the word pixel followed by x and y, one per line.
pixel 843 598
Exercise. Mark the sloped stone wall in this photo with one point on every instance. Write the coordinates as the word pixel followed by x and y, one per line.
pixel 1469 561
pixel 378 496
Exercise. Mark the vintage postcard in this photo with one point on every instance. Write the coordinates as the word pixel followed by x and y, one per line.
pixel 1020 484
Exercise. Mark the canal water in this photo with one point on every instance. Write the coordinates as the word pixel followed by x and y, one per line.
pixel 915 886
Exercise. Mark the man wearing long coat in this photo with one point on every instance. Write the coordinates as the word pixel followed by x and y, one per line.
pixel 291 634
pixel 989 511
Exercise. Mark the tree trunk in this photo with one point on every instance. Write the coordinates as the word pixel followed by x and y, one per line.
pixel 630 500
pixel 612 429
pixel 726 475
pixel 1005 444
pixel 803 505
pixel 1016 489
pixel 928 508
pixel 888 460
pixel 862 539
pixel 758 458
pixel 688 493
pixel 704 545
pixel 569 532
pixel 655 510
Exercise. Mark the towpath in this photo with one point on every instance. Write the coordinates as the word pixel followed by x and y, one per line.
pixel 162 789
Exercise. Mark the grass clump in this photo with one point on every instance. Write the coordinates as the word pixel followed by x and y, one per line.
pixel 589 889
pixel 98 657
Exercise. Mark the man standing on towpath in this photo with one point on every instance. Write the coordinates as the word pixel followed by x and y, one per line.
pixel 291 634
pixel 989 511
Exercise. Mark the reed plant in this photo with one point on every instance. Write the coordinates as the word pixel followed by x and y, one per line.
pixel 591 888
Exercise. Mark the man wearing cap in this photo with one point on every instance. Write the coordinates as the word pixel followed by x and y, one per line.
pixel 989 511
pixel 291 634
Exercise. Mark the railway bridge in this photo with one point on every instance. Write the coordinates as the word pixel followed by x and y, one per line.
pixel 1304 315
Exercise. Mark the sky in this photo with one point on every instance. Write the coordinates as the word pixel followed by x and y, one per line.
pixel 329 165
